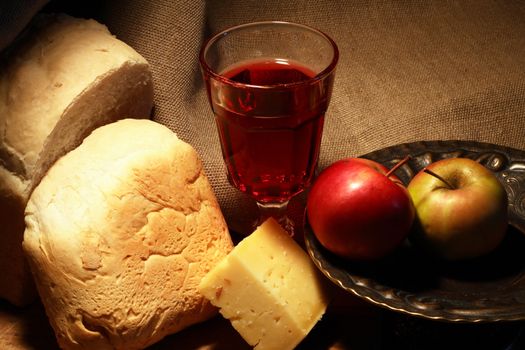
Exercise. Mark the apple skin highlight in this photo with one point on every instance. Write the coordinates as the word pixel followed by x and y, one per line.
pixel 464 218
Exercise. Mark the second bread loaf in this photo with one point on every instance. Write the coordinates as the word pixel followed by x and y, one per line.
pixel 63 78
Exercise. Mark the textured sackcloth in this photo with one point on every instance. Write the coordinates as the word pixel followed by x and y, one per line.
pixel 408 71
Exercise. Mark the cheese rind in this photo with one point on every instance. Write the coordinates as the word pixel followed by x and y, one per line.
pixel 268 288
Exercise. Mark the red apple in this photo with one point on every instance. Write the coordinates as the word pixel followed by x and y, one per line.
pixel 358 212
pixel 461 209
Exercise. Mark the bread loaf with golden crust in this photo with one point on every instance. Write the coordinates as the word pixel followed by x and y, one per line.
pixel 120 233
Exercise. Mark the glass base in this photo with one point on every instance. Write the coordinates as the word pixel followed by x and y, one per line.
pixel 278 212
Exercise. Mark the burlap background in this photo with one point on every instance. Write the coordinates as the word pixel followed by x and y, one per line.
pixel 409 70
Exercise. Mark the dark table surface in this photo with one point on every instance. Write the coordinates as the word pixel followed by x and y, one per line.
pixel 350 324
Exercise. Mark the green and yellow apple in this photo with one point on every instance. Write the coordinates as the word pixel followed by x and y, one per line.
pixel 461 209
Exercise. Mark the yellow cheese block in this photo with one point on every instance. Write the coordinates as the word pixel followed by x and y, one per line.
pixel 268 288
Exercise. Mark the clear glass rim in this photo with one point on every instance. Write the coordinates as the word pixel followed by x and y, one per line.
pixel 319 76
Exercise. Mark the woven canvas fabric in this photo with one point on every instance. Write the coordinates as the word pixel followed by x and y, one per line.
pixel 408 71
pixel 14 16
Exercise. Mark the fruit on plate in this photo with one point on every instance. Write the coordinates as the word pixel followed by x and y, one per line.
pixel 359 210
pixel 461 209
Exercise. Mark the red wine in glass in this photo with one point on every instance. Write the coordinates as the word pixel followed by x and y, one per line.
pixel 270 141
pixel 269 84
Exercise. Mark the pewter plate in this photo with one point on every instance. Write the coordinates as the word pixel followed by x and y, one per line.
pixel 487 289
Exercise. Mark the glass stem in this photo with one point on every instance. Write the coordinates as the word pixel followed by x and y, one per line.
pixel 278 211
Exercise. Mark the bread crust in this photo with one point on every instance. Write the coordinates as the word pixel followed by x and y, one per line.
pixel 63 78
pixel 119 234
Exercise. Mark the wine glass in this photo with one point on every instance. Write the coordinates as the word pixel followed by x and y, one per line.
pixel 269 86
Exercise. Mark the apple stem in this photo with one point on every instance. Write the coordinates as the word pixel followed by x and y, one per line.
pixel 398 165
pixel 430 172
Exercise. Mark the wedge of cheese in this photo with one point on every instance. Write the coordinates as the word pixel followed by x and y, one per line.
pixel 268 288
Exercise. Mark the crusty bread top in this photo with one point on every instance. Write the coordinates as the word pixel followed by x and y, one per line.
pixel 56 59
pixel 119 234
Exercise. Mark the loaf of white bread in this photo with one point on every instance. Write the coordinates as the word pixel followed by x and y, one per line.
pixel 63 78
pixel 119 234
